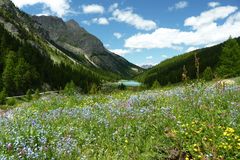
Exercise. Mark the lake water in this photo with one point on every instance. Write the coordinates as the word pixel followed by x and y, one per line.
pixel 129 83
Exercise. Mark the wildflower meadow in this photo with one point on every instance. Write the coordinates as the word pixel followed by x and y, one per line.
pixel 194 121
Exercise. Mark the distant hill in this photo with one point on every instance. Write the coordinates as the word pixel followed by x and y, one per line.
pixel 147 66
pixel 170 70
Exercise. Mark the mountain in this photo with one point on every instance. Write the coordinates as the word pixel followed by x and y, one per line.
pixel 171 70
pixel 147 66
pixel 28 60
pixel 33 56
pixel 83 45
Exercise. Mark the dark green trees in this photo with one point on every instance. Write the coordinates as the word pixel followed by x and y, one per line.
pixel 18 76
pixel 224 59
pixel 229 64
pixel 9 73
pixel 26 75
pixel 121 86
pixel 208 74
pixel 3 96
pixel 24 66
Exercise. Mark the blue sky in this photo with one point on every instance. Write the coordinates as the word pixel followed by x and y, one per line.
pixel 147 31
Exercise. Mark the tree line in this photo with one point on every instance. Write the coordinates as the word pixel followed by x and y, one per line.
pixel 222 60
pixel 23 66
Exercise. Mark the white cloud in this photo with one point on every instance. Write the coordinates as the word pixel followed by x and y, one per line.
pixel 207 18
pixel 86 22
pixel 93 9
pixel 209 33
pixel 57 7
pixel 190 49
pixel 113 7
pixel 149 57
pixel 210 45
pixel 179 5
pixel 213 4
pixel 121 51
pixel 100 21
pixel 125 51
pixel 107 45
pixel 117 35
pixel 43 14
pixel 127 16
pixel 164 56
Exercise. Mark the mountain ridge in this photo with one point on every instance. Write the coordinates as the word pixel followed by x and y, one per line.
pixel 72 37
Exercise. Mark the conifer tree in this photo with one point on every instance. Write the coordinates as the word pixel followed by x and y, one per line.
pixel 229 65
pixel 9 73
pixel 156 84
pixel 208 74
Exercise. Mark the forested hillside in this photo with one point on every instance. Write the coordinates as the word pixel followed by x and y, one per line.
pixel 223 60
pixel 23 67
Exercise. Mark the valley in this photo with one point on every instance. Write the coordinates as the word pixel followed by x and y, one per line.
pixel 67 95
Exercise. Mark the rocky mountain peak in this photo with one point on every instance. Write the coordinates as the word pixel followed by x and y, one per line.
pixel 72 23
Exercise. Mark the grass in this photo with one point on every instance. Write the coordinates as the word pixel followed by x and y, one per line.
pixel 195 121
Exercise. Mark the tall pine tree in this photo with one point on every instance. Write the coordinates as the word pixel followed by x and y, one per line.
pixel 229 65
pixel 9 73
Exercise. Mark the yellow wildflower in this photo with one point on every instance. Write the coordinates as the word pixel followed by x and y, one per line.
pixel 230 130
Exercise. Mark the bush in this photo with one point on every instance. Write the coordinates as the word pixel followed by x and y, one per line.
pixel 3 96
pixel 94 89
pixel 121 86
pixel 70 88
pixel 11 102
pixel 156 84
pixel 37 94
pixel 29 95
pixel 208 74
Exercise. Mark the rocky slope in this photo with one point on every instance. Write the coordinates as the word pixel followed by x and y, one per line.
pixel 78 41
pixel 64 42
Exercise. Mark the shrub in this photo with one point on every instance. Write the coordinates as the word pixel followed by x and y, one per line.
pixel 94 89
pixel 37 94
pixel 11 102
pixel 3 96
pixel 156 84
pixel 208 74
pixel 70 88
pixel 29 95
pixel 121 86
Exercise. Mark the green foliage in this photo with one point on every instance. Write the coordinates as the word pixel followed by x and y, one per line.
pixel 37 94
pixel 156 85
pixel 25 75
pixel 70 88
pixel 121 86
pixel 171 70
pixel 28 95
pixel 9 73
pixel 238 81
pixel 208 74
pixel 24 66
pixel 3 96
pixel 229 65
pixel 11 102
pixel 94 89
